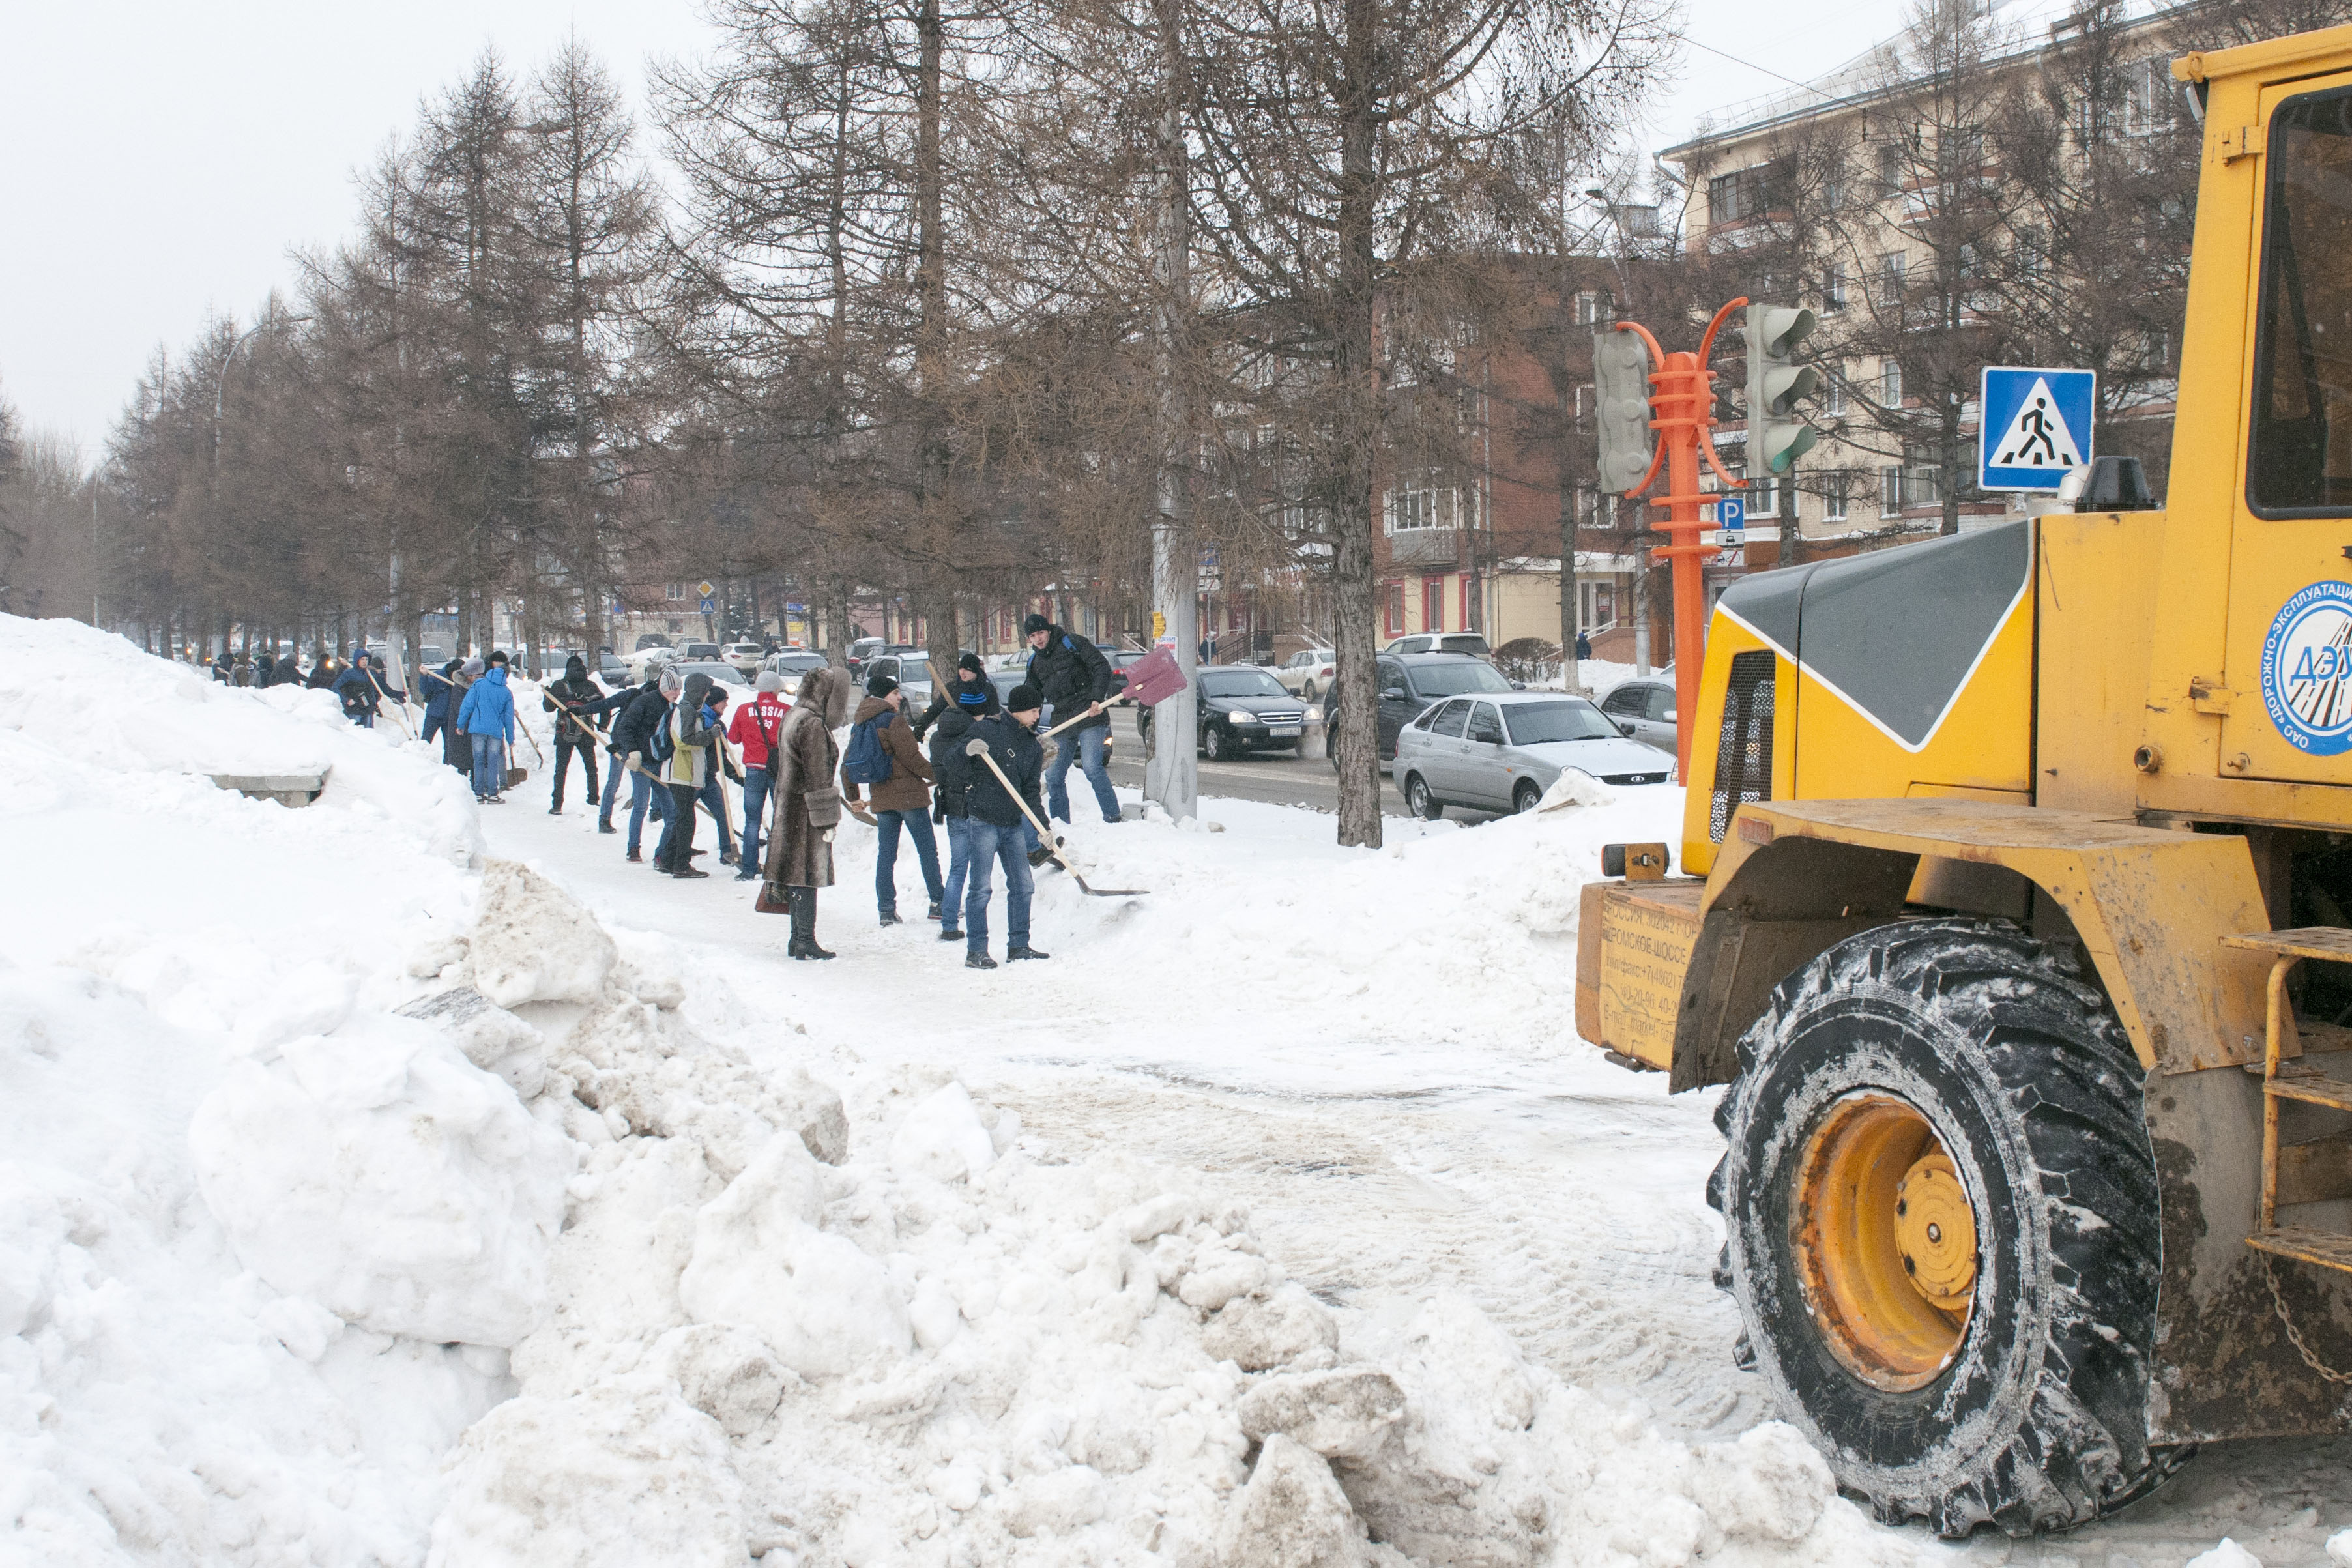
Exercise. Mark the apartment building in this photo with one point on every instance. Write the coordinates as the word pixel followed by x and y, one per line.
pixel 1917 200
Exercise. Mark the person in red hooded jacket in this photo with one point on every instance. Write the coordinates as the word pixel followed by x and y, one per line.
pixel 753 732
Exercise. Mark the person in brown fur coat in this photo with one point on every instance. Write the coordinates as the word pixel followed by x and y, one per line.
pixel 808 803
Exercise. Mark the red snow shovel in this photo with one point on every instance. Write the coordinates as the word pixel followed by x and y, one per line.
pixel 977 748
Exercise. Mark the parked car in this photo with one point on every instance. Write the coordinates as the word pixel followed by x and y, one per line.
pixel 725 674
pixel 610 669
pixel 1240 708
pixel 1442 642
pixel 859 651
pixel 745 656
pixel 908 670
pixel 1122 659
pixel 1644 709
pixel 1410 682
pixel 1309 673
pixel 1500 752
pixel 700 652
pixel 650 640
pixel 793 663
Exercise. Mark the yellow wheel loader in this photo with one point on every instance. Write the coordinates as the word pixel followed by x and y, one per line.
pixel 2015 910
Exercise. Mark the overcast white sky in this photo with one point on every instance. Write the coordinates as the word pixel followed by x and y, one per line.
pixel 163 157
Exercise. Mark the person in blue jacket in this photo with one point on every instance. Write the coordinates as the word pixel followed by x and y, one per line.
pixel 488 715
pixel 439 689
pixel 363 690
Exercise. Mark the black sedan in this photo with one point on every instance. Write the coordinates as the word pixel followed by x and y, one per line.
pixel 1242 708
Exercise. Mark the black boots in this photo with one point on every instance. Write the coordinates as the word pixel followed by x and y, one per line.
pixel 1014 955
pixel 803 942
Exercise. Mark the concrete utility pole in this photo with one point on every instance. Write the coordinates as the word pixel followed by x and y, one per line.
pixel 1172 776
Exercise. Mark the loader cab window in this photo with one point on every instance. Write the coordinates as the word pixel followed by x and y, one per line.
pixel 2300 462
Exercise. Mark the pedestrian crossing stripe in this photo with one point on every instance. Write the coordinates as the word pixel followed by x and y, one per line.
pixel 2037 436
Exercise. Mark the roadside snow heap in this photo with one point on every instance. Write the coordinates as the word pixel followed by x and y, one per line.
pixel 362 1203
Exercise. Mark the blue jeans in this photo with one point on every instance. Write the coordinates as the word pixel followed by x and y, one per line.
pixel 918 825
pixel 642 793
pixel 433 724
pixel 612 787
pixel 755 812
pixel 1085 747
pixel 989 845
pixel 489 766
pixel 959 866
pixel 713 803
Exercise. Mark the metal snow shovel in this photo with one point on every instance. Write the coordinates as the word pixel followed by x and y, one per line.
pixel 978 748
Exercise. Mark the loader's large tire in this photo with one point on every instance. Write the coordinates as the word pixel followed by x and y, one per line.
pixel 2022 1400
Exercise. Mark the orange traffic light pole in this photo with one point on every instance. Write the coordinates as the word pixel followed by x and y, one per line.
pixel 1682 409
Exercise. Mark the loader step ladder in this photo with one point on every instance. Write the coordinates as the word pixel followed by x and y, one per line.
pixel 2287 1078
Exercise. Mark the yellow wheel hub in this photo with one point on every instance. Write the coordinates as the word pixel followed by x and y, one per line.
pixel 1885 1241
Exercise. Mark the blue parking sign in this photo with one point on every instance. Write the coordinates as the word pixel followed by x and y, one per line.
pixel 1731 514
pixel 2034 426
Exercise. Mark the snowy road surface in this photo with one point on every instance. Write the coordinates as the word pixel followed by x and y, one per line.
pixel 372 1192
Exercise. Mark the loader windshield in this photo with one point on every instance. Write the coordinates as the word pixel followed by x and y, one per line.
pixel 2301 459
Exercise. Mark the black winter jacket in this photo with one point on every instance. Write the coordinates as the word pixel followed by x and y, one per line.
pixel 1018 753
pixel 951 769
pixel 645 708
pixel 945 703
pixel 577 697
pixel 1070 672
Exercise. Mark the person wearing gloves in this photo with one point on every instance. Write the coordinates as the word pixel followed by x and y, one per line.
pixel 1071 673
pixel 681 747
pixel 800 855
pixel 901 778
pixel 994 823
pixel 488 716
pixel 970 675
pixel 570 697
pixel 754 731
pixel 974 701
pixel 361 691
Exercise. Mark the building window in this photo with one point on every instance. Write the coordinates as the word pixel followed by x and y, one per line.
pixel 2148 96
pixel 677 590
pixel 1469 606
pixel 1396 609
pixel 1890 491
pixel 1923 479
pixel 1890 384
pixel 1594 306
pixel 1890 169
pixel 1584 406
pixel 1736 195
pixel 1764 496
pixel 1891 268
pixel 1832 392
pixel 1426 500
pixel 1833 496
pixel 1596 607
pixel 1433 604
pixel 1834 288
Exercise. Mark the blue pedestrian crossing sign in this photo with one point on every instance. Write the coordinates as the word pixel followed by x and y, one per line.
pixel 2034 426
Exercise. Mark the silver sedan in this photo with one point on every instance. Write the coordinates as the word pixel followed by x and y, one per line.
pixel 1500 751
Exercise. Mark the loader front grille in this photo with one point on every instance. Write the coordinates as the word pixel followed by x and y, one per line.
pixel 1743 753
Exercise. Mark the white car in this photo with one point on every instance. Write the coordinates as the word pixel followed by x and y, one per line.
pixel 744 656
pixel 1500 751
pixel 1308 674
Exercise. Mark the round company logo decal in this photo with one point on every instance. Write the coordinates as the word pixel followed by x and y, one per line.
pixel 2307 670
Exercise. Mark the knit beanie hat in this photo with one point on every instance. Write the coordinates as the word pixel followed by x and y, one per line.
pixel 1024 699
pixel 880 686
pixel 1036 623
pixel 575 666
pixel 473 669
pixel 769 682
pixel 971 661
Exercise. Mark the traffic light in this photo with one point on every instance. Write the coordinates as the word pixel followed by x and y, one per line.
pixel 1620 387
pixel 1776 435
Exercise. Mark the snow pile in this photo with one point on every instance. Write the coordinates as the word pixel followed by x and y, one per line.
pixel 391 1215
pixel 377 1172
pixel 83 714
